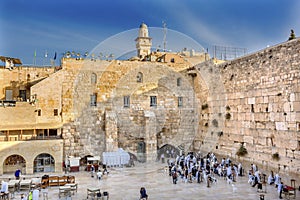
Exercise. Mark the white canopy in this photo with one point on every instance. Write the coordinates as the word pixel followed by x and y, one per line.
pixel 117 158
pixel 94 158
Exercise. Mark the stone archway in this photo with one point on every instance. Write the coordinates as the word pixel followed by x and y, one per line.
pixel 169 151
pixel 44 162
pixel 14 162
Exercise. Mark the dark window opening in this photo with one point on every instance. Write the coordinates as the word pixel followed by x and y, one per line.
pixel 139 77
pixel 22 95
pixel 39 112
pixel 55 112
pixel 179 82
pixel 93 78
pixel 153 101
pixel 180 101
pixel 126 101
pixel 93 101
pixel 252 108
pixel 141 147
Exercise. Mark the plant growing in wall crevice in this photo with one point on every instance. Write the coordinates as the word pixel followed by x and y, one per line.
pixel 275 156
pixel 242 150
pixel 204 106
pixel 227 116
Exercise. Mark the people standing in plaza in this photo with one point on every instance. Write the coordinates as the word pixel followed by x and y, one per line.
pixel 99 174
pixel 240 169
pixel 162 158
pixel 174 176
pixel 271 178
pixel 277 180
pixel 279 189
pixel 18 174
pixel 105 170
pixel 92 171
pixel 143 194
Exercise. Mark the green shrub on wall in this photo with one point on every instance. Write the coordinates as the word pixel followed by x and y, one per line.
pixel 275 156
pixel 242 151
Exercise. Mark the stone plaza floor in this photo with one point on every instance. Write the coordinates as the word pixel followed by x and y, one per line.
pixel 125 183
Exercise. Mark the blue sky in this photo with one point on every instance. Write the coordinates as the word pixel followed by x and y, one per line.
pixel 80 25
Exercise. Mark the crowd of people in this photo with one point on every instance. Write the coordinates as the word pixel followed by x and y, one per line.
pixel 256 178
pixel 193 167
pixel 208 169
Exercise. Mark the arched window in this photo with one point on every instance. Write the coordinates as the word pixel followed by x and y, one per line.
pixel 141 147
pixel 14 162
pixel 178 81
pixel 93 78
pixel 44 163
pixel 139 77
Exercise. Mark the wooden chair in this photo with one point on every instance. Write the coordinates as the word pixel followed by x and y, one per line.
pixel 290 190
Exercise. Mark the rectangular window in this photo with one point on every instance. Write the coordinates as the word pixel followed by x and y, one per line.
pixel 126 101
pixel 93 100
pixel 8 95
pixel 180 101
pixel 55 112
pixel 153 101
pixel 22 95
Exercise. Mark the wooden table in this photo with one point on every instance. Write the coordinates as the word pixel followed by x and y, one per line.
pixel 73 187
pixel 13 186
pixel 64 191
pixel 25 184
pixel 92 192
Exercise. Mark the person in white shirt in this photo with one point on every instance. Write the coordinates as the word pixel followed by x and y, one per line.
pixel 277 179
pixel 271 178
pixel 279 189
pixel 99 174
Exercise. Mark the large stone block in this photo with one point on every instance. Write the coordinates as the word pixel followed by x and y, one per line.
pixel 248 139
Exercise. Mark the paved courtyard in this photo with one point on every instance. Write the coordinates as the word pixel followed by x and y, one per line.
pixel 124 184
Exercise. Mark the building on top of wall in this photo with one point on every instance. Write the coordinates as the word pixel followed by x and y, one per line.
pixel 10 62
pixel 143 42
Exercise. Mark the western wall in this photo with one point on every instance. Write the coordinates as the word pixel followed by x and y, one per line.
pixel 258 97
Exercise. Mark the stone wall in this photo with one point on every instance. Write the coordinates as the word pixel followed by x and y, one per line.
pixel 109 125
pixel 259 103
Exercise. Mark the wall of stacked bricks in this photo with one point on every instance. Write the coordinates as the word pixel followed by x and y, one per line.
pixel 262 96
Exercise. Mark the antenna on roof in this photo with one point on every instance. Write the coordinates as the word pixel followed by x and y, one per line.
pixel 165 34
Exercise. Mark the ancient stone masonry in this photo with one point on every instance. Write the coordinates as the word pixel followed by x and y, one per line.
pixel 260 98
pixel 109 124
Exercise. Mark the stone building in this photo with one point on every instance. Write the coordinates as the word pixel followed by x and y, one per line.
pixel 158 102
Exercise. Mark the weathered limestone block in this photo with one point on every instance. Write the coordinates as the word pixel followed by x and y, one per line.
pixel 248 139
pixel 251 100
pixel 281 126
pixel 260 125
pixel 261 141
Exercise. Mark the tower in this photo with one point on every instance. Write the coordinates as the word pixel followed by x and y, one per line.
pixel 143 42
